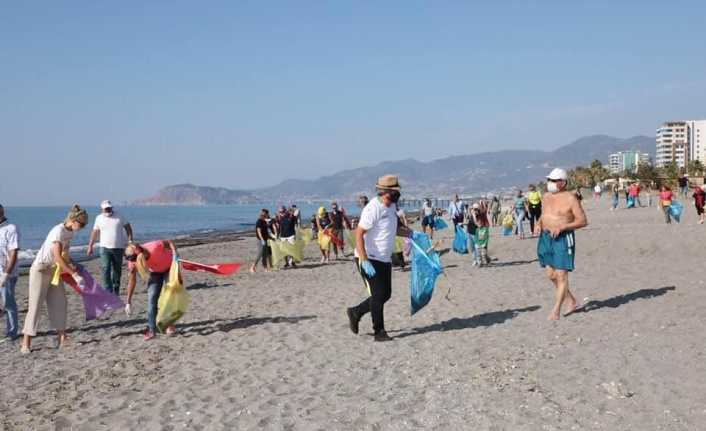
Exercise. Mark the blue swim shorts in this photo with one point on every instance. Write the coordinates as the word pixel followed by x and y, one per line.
pixel 558 252
pixel 428 221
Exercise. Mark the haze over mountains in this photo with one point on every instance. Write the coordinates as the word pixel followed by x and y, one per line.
pixel 470 174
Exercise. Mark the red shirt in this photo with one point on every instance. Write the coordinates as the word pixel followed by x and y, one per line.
pixel 160 259
pixel 666 197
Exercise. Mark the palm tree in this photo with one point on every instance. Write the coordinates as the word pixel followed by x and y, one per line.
pixel 670 171
pixel 695 167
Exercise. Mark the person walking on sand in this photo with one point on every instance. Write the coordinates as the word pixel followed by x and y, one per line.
pixel 323 222
pixel 534 206
pixel 562 214
pixel 698 199
pixel 683 185
pixel 286 227
pixel 338 222
pixel 519 207
pixel 53 252
pixel 665 201
pixel 457 209
pixel 9 272
pixel 115 233
pixel 262 228
pixel 495 210
pixel 616 197
pixel 375 240
pixel 428 213
pixel 152 260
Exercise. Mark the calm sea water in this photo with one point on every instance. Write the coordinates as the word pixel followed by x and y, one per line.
pixel 149 222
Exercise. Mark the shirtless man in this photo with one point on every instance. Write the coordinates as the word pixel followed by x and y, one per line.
pixel 561 215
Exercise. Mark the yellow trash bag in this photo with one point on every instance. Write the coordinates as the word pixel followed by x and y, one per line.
pixel 324 240
pixel 508 220
pixel 295 249
pixel 173 301
pixel 277 253
pixel 399 245
pixel 306 234
pixel 281 248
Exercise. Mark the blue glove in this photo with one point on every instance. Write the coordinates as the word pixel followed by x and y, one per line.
pixel 175 257
pixel 368 268
pixel 264 242
pixel 418 235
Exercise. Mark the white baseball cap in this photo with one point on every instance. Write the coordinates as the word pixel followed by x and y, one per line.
pixel 106 204
pixel 557 174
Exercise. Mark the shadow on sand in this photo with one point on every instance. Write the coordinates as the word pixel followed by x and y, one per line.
pixel 486 319
pixel 514 263
pixel 207 327
pixel 619 300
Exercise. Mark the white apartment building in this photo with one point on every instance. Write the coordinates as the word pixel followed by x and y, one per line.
pixel 697 140
pixel 672 143
pixel 681 141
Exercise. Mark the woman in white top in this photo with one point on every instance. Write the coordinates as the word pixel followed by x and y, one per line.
pixel 54 251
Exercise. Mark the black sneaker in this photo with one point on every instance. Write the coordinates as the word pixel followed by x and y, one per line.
pixel 382 336
pixel 353 320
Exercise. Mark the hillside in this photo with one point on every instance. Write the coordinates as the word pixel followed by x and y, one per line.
pixel 466 174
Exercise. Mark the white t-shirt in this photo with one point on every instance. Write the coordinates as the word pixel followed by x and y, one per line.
pixel 58 233
pixel 597 189
pixel 9 240
pixel 380 223
pixel 427 210
pixel 112 229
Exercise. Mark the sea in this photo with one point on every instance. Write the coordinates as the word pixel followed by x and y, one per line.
pixel 150 222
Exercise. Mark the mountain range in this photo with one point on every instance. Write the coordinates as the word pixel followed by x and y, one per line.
pixel 486 172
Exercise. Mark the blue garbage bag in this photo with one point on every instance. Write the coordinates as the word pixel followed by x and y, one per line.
pixel 460 244
pixel 675 209
pixel 631 202
pixel 426 267
pixel 440 224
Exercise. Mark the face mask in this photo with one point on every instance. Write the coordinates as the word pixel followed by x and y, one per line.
pixel 552 187
pixel 394 197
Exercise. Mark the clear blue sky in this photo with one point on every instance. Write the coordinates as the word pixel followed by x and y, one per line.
pixel 118 99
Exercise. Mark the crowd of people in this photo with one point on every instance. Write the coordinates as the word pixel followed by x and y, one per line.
pixel 553 217
pixel 152 260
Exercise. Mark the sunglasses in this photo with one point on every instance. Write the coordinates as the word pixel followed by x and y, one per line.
pixel 82 223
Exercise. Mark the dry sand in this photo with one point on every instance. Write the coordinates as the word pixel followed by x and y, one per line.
pixel 273 351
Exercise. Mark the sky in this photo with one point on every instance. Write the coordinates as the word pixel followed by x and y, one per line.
pixel 115 100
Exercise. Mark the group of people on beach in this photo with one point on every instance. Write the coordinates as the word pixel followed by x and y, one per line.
pixel 560 216
pixel 152 260
pixel 380 223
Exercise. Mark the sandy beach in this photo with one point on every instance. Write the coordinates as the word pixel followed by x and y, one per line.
pixel 273 351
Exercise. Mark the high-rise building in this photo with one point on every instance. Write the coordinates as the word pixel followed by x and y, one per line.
pixel 696 133
pixel 627 161
pixel 672 144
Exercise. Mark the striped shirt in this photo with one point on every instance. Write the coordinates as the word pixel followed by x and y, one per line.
pixel 9 240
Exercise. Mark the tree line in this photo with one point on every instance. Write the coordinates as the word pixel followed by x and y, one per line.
pixel 589 176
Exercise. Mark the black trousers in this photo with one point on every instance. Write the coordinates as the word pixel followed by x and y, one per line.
pixel 379 290
pixel 457 221
pixel 535 211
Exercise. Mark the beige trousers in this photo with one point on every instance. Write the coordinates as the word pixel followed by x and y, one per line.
pixel 41 290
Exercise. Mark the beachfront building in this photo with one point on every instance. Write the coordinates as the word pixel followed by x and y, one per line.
pixel 627 161
pixel 696 134
pixel 680 142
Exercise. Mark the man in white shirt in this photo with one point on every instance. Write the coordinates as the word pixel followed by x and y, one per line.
pixel 375 239
pixel 9 272
pixel 457 210
pixel 115 233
